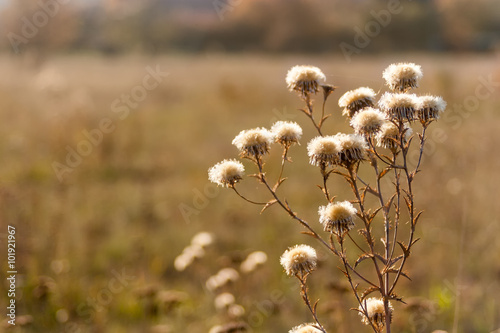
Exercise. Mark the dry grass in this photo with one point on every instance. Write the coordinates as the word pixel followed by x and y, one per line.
pixel 119 209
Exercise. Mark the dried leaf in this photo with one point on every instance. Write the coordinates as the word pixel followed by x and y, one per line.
pixel 405 249
pixel 278 184
pixel 341 174
pixel 384 172
pixel 406 275
pixel 269 204
pixel 389 202
pixel 323 119
pixel 418 216
pixel 414 241
pixel 308 233
pixel 372 216
pixel 395 270
pixel 395 260
pixel 362 196
pixel 305 111
pixel 315 306
pixel 381 258
pixel 362 258
pixel 368 292
pixel 408 203
pixel 396 297
pixel 385 156
pixel 406 192
pixel 346 275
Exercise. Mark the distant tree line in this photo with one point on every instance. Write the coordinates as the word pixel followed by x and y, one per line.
pixel 158 26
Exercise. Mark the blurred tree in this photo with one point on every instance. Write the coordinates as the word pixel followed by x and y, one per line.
pixel 152 26
pixel 36 28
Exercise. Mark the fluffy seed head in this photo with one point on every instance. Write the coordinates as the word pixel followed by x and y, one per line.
pixel 188 256
pixel 357 99
pixel 202 239
pixel 254 260
pixel 194 250
pixel 286 132
pixel 352 148
pixel 304 328
pixel 429 108
pixel 300 259
pixel 337 217
pixel 403 76
pixel 304 79
pixel 223 277
pixel 236 310
pixel 376 312
pixel 323 150
pixel 389 136
pixel 254 142
pixel 226 173
pixel 367 121
pixel 223 301
pixel 399 106
pixel 182 261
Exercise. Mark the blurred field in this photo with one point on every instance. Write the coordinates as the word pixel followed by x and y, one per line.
pixel 119 209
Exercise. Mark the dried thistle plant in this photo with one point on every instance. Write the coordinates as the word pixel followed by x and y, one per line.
pixel 382 141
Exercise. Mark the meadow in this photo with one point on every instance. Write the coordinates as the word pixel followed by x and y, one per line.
pixel 97 233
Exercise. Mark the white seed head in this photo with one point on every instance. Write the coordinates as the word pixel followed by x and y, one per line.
pixel 388 136
pixel 202 239
pixel 305 328
pixel 402 76
pixel 216 329
pixel 226 173
pixel 376 312
pixel 430 108
pixel 223 277
pixel 254 260
pixel 337 217
pixel 228 275
pixel 399 106
pixel 304 79
pixel 194 250
pixel 254 142
pixel 352 148
pixel 183 261
pixel 235 310
pixel 300 259
pixel 323 150
pixel 286 132
pixel 223 301
pixel 213 283
pixel 357 99
pixel 367 121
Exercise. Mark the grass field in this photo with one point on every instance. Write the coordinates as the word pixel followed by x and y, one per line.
pixel 97 233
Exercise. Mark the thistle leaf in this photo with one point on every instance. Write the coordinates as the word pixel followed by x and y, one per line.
pixel 268 204
pixel 368 292
pixel 279 183
pixel 362 258
pixel 384 172
pixel 308 233
pixel 406 251
pixel 381 258
pixel 395 260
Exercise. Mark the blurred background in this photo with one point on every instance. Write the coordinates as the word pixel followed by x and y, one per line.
pixel 112 111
